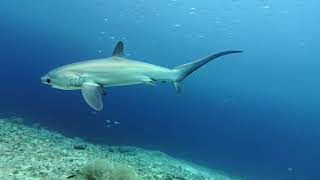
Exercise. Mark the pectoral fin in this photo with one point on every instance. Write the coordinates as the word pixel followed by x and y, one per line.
pixel 92 93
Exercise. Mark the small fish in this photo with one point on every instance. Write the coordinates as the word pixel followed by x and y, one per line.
pixel 71 176
pixel 94 112
pixel 108 121
pixel 116 122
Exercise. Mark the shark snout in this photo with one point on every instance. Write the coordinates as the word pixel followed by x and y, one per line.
pixel 45 80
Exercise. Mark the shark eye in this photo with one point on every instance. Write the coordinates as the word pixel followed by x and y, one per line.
pixel 48 80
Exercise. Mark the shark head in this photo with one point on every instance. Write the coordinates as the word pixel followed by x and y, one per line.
pixel 58 80
pixel 64 79
pixel 53 80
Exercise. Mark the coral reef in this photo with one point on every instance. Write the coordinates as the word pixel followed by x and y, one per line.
pixel 39 154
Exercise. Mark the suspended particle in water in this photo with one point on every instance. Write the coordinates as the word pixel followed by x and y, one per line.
pixel 266 7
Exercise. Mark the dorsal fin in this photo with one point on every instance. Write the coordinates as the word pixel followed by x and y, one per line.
pixel 118 50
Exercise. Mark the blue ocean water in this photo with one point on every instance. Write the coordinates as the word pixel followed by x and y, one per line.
pixel 253 115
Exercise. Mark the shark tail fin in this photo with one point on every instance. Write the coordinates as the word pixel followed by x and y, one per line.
pixel 185 70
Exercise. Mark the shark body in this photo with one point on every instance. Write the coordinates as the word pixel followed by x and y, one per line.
pixel 93 76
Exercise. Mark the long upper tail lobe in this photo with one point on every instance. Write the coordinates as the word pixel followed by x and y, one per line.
pixel 183 71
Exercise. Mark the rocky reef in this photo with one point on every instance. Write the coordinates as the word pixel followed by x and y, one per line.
pixel 35 153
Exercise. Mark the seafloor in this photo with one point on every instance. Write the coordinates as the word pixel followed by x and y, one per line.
pixel 28 153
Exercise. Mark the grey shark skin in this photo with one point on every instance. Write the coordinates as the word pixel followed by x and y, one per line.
pixel 94 75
